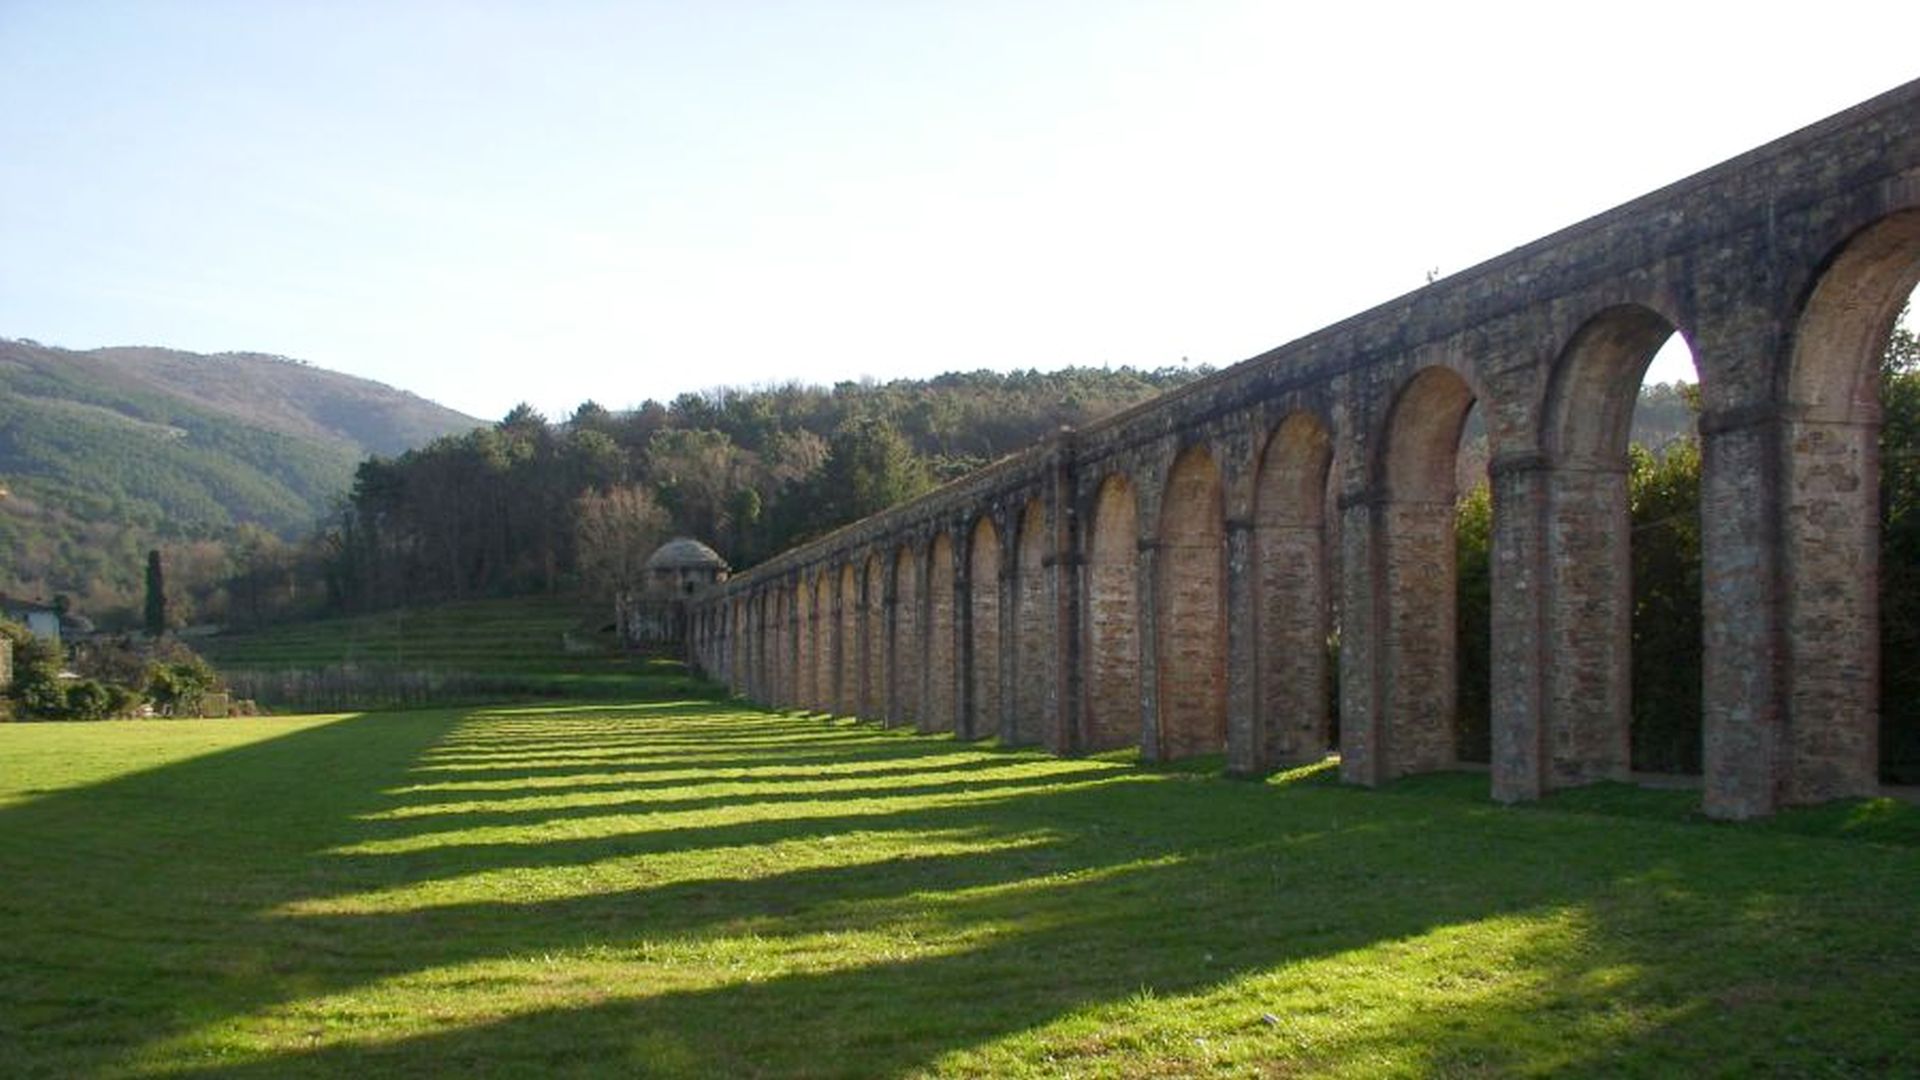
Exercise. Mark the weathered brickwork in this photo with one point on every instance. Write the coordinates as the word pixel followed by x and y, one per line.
pixel 983 576
pixel 909 647
pixel 1113 690
pixel 873 639
pixel 1192 629
pixel 851 651
pixel 826 655
pixel 806 645
pixel 1034 646
pixel 1291 617
pixel 942 639
pixel 1169 577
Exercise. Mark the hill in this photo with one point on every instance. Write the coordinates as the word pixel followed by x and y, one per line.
pixel 108 452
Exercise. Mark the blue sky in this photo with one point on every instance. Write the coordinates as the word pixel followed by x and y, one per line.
pixel 493 202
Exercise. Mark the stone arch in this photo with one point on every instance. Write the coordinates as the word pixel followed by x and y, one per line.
pixel 1829 563
pixel 983 600
pixel 1033 627
pixel 763 690
pixel 1190 608
pixel 790 623
pixel 1832 373
pixel 942 637
pixel 874 638
pixel 804 665
pixel 781 633
pixel 1113 619
pixel 851 680
pixel 1414 519
pixel 825 650
pixel 909 652
pixel 1293 610
pixel 738 641
pixel 1585 628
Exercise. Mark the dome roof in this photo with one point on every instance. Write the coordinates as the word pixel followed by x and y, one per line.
pixel 685 553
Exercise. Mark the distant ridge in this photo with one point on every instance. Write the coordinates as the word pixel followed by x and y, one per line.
pixel 106 452
pixel 272 392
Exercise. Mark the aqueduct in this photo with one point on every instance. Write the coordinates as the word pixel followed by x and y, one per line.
pixel 1168 577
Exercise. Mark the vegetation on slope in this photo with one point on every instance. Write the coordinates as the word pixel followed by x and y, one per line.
pixel 107 454
pixel 497 510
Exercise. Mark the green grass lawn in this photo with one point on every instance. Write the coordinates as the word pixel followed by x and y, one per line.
pixel 701 889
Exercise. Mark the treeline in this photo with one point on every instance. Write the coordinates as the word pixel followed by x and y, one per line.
pixel 535 505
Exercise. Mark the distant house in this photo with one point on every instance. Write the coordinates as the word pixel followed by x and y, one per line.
pixel 43 620
pixel 656 614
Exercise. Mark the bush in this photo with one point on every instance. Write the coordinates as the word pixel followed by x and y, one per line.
pixel 87 699
pixel 179 687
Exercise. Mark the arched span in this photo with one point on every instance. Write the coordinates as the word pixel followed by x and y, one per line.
pixel 806 647
pixel 1833 373
pixel 873 636
pixel 983 596
pixel 1293 610
pixel 1191 609
pixel 909 644
pixel 1584 644
pixel 1596 384
pixel 847 647
pixel 824 646
pixel 1419 456
pixel 1033 653
pixel 1419 643
pixel 1113 619
pixel 1830 521
pixel 942 637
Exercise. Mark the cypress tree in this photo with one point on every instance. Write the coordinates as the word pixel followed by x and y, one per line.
pixel 156 595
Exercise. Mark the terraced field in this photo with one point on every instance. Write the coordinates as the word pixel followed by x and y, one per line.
pixel 482 650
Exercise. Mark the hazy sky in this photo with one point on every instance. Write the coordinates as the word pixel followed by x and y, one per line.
pixel 493 202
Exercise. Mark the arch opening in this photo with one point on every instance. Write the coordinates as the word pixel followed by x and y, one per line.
pixel 942 637
pixel 806 646
pixel 1428 458
pixel 1623 623
pixel 983 655
pixel 1293 610
pixel 825 647
pixel 1113 706
pixel 873 635
pixel 1191 609
pixel 1033 628
pixel 908 649
pixel 847 645
pixel 1851 521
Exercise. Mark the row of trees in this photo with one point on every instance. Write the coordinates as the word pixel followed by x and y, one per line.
pixel 528 505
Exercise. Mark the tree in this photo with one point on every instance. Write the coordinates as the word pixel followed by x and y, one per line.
pixel 869 467
pixel 1473 623
pixel 1664 506
pixel 1900 557
pixel 156 595
pixel 36 689
pixel 614 533
pixel 178 686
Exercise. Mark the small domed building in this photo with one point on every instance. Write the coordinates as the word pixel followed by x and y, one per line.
pixel 656 616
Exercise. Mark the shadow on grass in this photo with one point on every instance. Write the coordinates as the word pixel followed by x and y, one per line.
pixel 156 907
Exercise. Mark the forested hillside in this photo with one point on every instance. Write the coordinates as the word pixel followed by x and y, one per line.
pixel 108 453
pixel 534 505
